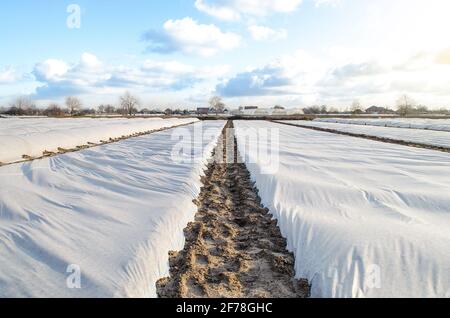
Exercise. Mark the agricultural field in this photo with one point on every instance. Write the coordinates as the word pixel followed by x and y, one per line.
pixel 420 136
pixel 352 208
pixel 411 123
pixel 27 138
pixel 115 210
pixel 214 157
pixel 182 208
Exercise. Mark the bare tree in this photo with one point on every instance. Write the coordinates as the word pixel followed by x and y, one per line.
pixel 443 111
pixel 21 106
pixel 356 107
pixel 422 109
pixel 110 109
pixel 217 104
pixel 129 103
pixel 101 109
pixel 73 104
pixel 53 110
pixel 405 105
pixel 22 103
pixel 333 110
pixel 312 110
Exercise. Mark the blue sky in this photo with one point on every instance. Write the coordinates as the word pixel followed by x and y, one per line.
pixel 181 52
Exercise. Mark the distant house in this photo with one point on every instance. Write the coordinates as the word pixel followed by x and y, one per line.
pixel 279 112
pixel 202 111
pixel 261 112
pixel 296 111
pixel 378 110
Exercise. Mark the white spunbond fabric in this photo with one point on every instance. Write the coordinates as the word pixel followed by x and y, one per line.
pixel 364 218
pixel 420 136
pixel 31 137
pixel 412 123
pixel 115 211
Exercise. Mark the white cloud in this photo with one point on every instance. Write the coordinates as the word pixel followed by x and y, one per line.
pixel 326 2
pixel 222 12
pixel 289 75
pixel 263 33
pixel 443 57
pixel 89 60
pixel 8 75
pixel 92 76
pixel 230 10
pixel 234 9
pixel 188 36
pixel 383 80
pixel 335 81
pixel 359 69
pixel 50 70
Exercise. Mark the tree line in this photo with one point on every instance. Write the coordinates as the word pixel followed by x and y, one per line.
pixel 129 106
pixel 73 106
pixel 405 106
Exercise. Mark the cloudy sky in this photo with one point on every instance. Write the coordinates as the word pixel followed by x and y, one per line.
pixel 180 52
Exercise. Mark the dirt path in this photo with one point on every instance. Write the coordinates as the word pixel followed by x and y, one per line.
pixel 233 249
